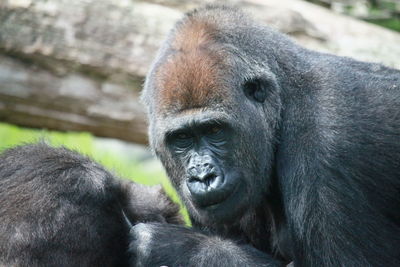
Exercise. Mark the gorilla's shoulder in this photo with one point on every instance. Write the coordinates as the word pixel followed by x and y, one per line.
pixel 54 166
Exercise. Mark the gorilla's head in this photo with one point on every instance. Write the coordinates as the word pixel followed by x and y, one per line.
pixel 214 107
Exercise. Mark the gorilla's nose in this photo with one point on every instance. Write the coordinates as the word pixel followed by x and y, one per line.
pixel 204 183
pixel 205 174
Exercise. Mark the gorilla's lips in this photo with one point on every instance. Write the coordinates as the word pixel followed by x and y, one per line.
pixel 211 191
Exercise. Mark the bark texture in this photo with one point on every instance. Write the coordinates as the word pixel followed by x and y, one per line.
pixel 79 65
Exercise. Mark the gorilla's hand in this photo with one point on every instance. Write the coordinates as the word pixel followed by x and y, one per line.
pixel 155 244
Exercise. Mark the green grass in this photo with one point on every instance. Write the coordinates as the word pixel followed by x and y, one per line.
pixel 122 164
pixel 393 24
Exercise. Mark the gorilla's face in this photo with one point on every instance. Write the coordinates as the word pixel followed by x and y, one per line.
pixel 216 161
pixel 212 123
pixel 218 156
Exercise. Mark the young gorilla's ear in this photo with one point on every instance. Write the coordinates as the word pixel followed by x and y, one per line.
pixel 143 203
pixel 255 90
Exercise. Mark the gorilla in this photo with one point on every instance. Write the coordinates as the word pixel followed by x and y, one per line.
pixel 59 208
pixel 281 154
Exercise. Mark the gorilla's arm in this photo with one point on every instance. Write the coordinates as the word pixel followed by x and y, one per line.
pixel 155 244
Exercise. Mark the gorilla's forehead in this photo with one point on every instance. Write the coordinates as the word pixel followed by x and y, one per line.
pixel 191 74
pixel 189 80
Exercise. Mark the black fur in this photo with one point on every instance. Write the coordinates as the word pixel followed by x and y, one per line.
pixel 312 140
pixel 59 208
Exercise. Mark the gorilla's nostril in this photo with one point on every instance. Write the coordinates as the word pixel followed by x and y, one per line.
pixel 204 177
pixel 205 182
pixel 192 172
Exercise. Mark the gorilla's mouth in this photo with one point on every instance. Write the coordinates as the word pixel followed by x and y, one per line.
pixel 212 191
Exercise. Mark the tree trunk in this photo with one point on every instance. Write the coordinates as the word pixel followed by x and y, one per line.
pixel 35 98
pixel 79 65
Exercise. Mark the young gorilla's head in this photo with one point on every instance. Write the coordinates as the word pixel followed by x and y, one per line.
pixel 214 107
pixel 59 208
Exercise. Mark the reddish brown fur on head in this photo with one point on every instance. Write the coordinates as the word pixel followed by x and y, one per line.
pixel 190 77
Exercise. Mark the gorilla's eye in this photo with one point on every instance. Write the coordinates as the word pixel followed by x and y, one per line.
pixel 214 130
pixel 181 140
pixel 182 136
pixel 215 133
pixel 254 90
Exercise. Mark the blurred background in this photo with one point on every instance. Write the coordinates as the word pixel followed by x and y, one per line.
pixel 71 71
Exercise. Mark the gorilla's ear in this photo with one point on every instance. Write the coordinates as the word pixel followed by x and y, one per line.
pixel 255 90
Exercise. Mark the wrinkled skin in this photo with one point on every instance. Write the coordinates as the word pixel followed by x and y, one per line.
pixel 280 153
